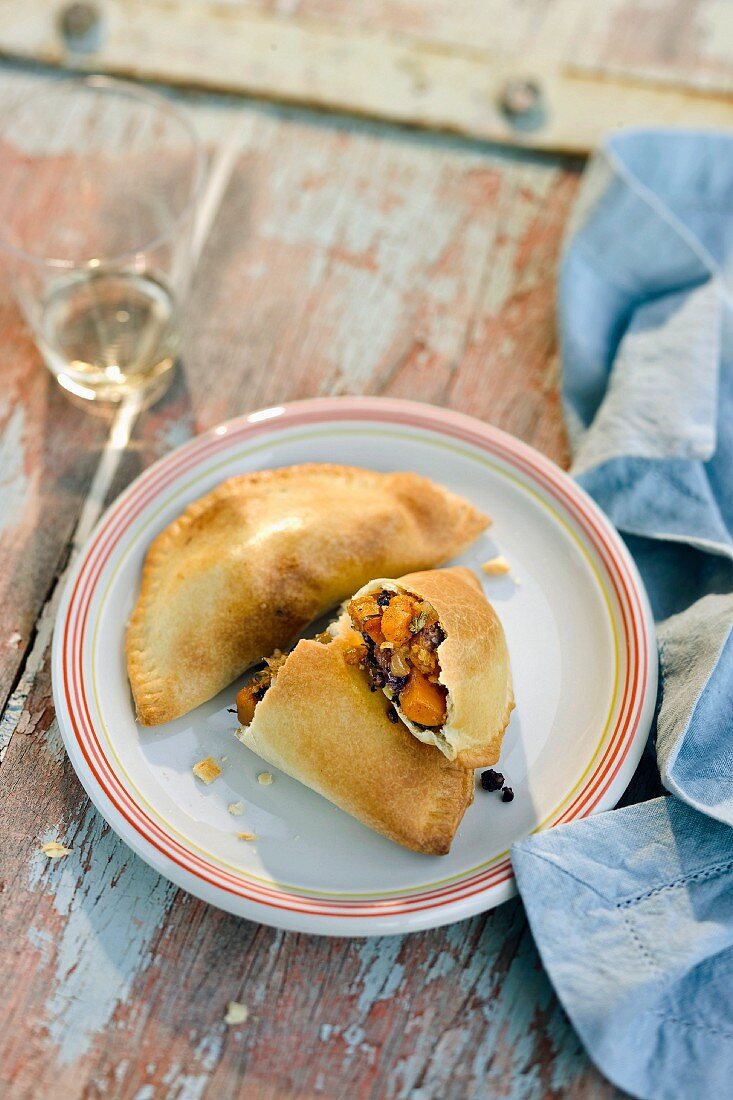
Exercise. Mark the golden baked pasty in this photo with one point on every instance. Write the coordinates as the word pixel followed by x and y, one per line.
pixel 245 568
pixel 311 714
pixel 432 642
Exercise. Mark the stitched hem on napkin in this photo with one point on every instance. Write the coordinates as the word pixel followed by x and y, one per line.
pixel 634 944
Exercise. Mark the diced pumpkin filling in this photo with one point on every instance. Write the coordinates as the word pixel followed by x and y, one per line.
pixel 422 701
pixel 255 690
pixel 401 636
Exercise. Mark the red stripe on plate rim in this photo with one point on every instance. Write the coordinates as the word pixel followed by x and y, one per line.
pixel 494 872
pixel 172 467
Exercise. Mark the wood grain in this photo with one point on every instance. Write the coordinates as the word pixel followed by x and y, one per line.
pixel 348 261
pixel 43 484
pixel 432 65
pixel 116 985
pixel 50 449
pixel 682 44
pixel 342 259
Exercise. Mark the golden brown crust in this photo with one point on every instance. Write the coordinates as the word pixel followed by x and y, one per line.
pixel 474 663
pixel 245 568
pixel 207 770
pixel 320 723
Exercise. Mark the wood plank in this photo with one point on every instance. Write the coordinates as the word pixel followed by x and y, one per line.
pixel 341 260
pixel 441 77
pixel 43 481
pixel 43 485
pixel 490 25
pixel 116 984
pixel 683 44
pixel 344 261
pixel 46 480
pixel 418 268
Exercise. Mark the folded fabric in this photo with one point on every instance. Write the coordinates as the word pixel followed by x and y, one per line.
pixel 633 911
pixel 646 321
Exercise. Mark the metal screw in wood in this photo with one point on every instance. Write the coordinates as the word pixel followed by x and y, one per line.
pixel 79 25
pixel 521 101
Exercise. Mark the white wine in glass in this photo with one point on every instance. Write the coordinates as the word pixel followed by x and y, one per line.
pixel 99 184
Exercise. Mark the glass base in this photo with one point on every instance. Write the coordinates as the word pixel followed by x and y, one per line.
pixel 109 335
pixel 107 397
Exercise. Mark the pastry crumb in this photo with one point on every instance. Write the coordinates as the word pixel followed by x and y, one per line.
pixel 224 759
pixel 496 567
pixel 236 808
pixel 53 850
pixel 14 640
pixel 265 778
pixel 207 770
pixel 236 1013
pixel 247 836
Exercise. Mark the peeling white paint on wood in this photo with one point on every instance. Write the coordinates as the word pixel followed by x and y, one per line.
pixel 411 65
pixel 463 240
pixel 380 975
pixel 111 907
pixel 14 486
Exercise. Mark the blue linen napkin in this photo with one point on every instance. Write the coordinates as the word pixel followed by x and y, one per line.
pixel 632 910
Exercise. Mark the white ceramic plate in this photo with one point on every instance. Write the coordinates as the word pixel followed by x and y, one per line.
pixel 580 637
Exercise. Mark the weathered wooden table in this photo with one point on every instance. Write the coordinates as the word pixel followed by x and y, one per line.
pixel 343 257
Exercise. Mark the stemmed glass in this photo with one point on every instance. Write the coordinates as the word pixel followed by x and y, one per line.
pixel 99 184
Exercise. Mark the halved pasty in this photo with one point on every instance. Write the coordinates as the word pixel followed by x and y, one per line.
pixel 432 642
pixel 311 714
pixel 244 569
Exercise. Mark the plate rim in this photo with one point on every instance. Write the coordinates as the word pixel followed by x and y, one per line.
pixel 412 414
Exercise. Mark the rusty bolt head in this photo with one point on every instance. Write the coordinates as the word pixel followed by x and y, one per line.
pixel 522 103
pixel 520 96
pixel 78 20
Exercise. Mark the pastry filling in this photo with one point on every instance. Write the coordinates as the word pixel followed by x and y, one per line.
pixel 253 692
pixel 401 636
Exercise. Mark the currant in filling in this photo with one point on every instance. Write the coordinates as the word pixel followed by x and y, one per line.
pixel 401 636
